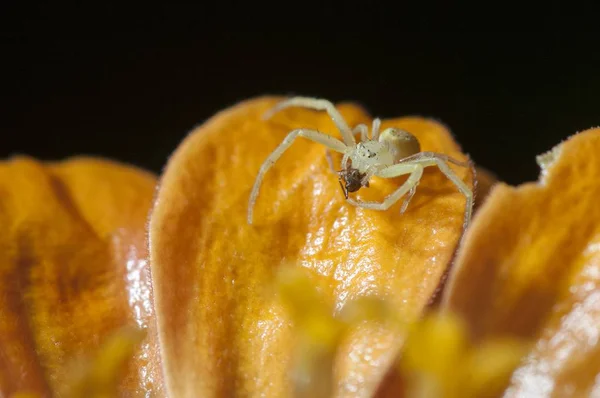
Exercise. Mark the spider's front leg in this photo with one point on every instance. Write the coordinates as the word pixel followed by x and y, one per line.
pixel 414 169
pixel 312 135
pixel 319 105
pixel 371 171
pixel 330 161
pixel 363 130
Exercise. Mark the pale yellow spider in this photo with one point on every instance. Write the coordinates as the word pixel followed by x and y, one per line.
pixel 390 154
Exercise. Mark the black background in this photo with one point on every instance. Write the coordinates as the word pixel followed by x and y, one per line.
pixel 129 84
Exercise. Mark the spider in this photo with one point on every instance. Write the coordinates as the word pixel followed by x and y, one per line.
pixel 391 153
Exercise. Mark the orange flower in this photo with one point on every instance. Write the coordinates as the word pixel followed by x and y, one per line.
pixel 210 267
pixel 73 269
pixel 530 268
pixel 350 317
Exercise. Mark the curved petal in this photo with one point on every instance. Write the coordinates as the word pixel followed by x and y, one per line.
pixel 486 180
pixel 530 268
pixel 211 268
pixel 73 270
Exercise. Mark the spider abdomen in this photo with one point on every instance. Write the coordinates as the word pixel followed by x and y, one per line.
pixel 401 143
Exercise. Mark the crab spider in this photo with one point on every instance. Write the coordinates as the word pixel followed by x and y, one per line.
pixel 387 154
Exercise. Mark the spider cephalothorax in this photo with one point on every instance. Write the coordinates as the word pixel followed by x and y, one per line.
pixel 392 153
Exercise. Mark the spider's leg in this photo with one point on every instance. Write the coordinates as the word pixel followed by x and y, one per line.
pixel 363 130
pixel 430 155
pixel 462 187
pixel 368 175
pixel 409 196
pixel 375 129
pixel 312 135
pixel 319 105
pixel 414 169
pixel 345 159
pixel 436 159
pixel 330 161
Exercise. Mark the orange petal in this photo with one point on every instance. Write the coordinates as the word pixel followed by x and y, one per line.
pixel 219 333
pixel 486 180
pixel 530 267
pixel 73 270
pixel 98 375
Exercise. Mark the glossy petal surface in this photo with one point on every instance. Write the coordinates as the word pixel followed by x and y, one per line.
pixel 73 269
pixel 211 268
pixel 530 268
